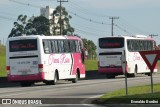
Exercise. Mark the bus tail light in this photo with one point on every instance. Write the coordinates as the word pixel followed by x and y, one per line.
pixel 8 68
pixel 40 66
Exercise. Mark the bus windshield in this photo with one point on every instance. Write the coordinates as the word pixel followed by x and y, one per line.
pixel 23 45
pixel 111 42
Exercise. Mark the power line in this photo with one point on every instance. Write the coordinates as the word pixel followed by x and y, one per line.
pixel 89 33
pixel 83 10
pixel 27 4
pixel 122 29
pixel 89 27
pixel 89 20
pixel 131 27
pixel 7 18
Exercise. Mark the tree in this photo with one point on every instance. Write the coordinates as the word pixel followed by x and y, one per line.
pixel 19 26
pixel 91 47
pixel 35 25
pixel 66 27
pixel 41 26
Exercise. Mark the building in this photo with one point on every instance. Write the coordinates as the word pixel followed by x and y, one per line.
pixel 48 13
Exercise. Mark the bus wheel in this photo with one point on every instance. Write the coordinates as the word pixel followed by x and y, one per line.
pixel 55 78
pixel 26 84
pixel 75 80
pixel 135 71
pixel 149 74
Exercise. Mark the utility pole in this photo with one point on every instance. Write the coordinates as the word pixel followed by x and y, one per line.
pixel 152 35
pixel 112 18
pixel 60 1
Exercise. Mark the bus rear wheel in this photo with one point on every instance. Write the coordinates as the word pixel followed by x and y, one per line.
pixel 75 80
pixel 135 71
pixel 55 78
pixel 52 82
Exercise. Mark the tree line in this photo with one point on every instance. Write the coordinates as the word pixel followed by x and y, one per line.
pixel 40 25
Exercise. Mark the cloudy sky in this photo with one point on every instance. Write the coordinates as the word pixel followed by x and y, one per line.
pixel 91 18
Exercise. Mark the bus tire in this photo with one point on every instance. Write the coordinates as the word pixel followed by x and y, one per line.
pixel 52 82
pixel 55 78
pixel 75 80
pixel 26 84
pixel 135 71
pixel 149 74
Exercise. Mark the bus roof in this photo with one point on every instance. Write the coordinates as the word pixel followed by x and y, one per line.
pixel 130 37
pixel 44 37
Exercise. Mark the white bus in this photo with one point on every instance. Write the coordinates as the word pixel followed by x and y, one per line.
pixel 110 50
pixel 37 58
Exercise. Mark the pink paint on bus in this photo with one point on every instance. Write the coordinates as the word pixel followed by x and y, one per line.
pixel 77 63
pixel 30 77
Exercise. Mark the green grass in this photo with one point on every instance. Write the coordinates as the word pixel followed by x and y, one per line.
pixel 138 92
pixel 133 91
pixel 2 61
pixel 91 65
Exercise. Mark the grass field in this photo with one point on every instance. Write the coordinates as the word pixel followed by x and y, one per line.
pixel 140 92
pixel 91 65
pixel 136 92
pixel 2 61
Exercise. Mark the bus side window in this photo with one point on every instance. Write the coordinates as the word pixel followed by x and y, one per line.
pixel 129 45
pixel 77 46
pixel 72 46
pixel 50 46
pixel 149 45
pixel 54 46
pixel 45 46
pixel 60 46
pixel 145 46
pixel 66 46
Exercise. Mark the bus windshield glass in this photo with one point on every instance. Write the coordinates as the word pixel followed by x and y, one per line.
pixel 111 42
pixel 23 45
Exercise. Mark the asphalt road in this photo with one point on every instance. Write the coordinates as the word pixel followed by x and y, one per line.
pixel 66 92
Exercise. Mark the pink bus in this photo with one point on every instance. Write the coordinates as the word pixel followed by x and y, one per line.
pixel 38 58
pixel 110 50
